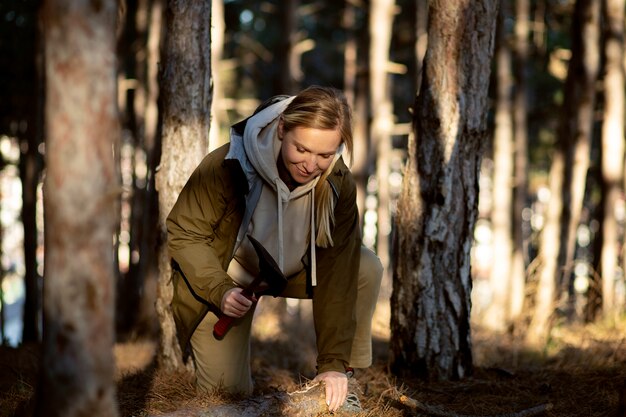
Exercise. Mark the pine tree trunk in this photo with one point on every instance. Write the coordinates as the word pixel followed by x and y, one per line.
pixel 612 152
pixel 186 97
pixel 430 304
pixel 497 317
pixel 80 190
pixel 520 193
pixel 381 110
pixel 569 169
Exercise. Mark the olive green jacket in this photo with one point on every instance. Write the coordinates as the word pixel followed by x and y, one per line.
pixel 202 231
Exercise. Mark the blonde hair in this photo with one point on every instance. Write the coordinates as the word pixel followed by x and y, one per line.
pixel 322 108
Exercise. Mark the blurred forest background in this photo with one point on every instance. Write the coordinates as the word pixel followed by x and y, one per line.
pixel 547 253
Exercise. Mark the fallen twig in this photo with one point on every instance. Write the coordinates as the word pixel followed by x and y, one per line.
pixel 440 412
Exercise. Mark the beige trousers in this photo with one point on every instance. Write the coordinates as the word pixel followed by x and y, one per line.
pixel 225 364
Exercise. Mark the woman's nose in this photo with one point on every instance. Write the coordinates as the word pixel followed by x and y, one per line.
pixel 311 162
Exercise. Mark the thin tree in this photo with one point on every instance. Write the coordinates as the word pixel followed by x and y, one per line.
pixel 520 138
pixel 430 304
pixel 381 111
pixel 568 170
pixel 496 316
pixel 612 153
pixel 80 190
pixel 186 98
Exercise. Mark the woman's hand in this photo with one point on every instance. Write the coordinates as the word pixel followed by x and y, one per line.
pixel 235 304
pixel 336 388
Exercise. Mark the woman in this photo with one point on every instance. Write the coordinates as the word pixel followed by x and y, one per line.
pixel 282 180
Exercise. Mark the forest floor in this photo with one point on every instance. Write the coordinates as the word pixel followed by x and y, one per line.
pixel 582 373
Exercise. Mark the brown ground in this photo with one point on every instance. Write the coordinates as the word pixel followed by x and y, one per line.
pixel 581 373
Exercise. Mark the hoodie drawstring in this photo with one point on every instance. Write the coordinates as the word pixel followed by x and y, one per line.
pixel 313 260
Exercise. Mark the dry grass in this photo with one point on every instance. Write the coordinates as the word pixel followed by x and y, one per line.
pixel 582 372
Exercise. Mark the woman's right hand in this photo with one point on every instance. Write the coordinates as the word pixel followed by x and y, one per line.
pixel 235 304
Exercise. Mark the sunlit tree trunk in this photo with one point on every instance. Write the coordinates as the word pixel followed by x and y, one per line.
pixel 421 37
pixel 496 316
pixel 612 153
pixel 362 166
pixel 186 96
pixel 381 110
pixel 569 168
pixel 80 190
pixel 219 117
pixel 520 135
pixel 437 211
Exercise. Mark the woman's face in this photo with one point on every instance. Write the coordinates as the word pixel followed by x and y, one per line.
pixel 307 152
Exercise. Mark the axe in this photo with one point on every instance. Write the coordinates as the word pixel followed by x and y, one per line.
pixel 268 272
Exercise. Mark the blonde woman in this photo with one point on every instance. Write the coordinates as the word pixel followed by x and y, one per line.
pixel 282 180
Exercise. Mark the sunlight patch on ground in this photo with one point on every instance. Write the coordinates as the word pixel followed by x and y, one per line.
pixel 133 357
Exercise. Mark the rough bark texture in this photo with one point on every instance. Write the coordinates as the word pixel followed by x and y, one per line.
pixel 79 195
pixel 569 169
pixel 186 97
pixel 437 210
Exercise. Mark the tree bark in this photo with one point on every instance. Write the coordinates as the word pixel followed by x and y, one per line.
pixel 437 211
pixel 568 170
pixel 80 190
pixel 186 97
pixel 520 135
pixel 381 111
pixel 612 153
pixel 497 314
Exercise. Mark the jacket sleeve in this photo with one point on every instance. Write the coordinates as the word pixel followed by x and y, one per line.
pixel 197 238
pixel 334 297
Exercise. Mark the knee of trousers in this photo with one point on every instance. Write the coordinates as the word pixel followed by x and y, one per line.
pixel 370 269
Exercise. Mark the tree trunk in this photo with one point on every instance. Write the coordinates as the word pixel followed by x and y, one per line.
pixel 576 127
pixel 568 170
pixel 497 317
pixel 219 117
pixel 286 56
pixel 80 191
pixel 361 167
pixel 437 211
pixel 421 37
pixel 612 152
pixel 31 165
pixel 381 110
pixel 186 97
pixel 520 134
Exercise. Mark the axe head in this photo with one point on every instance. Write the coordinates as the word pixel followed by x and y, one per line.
pixel 269 270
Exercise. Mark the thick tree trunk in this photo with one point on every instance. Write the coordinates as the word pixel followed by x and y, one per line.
pixel 569 169
pixel 497 317
pixel 186 97
pixel 612 152
pixel 437 210
pixel 79 195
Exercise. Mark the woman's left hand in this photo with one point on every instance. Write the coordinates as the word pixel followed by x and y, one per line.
pixel 336 388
